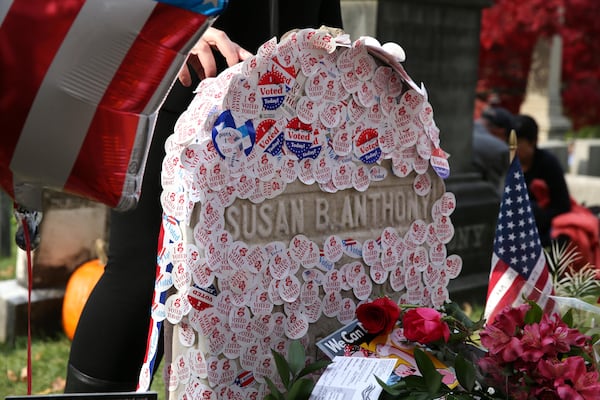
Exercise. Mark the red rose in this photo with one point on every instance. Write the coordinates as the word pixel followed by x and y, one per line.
pixel 424 325
pixel 379 316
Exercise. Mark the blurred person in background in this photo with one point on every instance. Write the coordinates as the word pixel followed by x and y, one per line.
pixel 490 148
pixel 544 176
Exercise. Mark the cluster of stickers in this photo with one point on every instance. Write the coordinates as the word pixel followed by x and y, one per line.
pixel 313 108
pixel 307 109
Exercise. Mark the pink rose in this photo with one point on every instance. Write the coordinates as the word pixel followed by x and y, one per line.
pixel 424 325
pixel 378 316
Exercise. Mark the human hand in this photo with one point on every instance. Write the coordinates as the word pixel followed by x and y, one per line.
pixel 201 57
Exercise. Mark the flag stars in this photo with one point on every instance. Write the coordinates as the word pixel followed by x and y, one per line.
pixel 511 237
pixel 519 199
pixel 521 211
pixel 517 175
pixel 524 259
pixel 513 248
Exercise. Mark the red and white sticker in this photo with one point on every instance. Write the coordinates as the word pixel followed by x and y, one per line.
pixel 422 184
pixel 332 247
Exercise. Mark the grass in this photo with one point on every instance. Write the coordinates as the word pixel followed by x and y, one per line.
pixel 49 359
pixel 49 355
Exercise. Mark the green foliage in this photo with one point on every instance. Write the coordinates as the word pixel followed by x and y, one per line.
pixel 534 315
pixel 292 373
pixel 429 385
pixel 465 373
pixel 586 132
pixel 568 281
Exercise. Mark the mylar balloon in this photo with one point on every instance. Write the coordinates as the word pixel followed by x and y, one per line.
pixel 81 82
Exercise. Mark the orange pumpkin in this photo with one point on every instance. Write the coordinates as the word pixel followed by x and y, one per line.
pixel 78 289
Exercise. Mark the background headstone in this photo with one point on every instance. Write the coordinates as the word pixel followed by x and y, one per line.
pixel 441 41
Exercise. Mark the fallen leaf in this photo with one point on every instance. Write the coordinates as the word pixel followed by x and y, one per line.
pixel 24 374
pixel 58 385
pixel 10 374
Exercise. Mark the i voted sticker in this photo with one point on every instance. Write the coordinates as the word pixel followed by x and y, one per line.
pixel 377 173
pixel 269 138
pixel 439 162
pixel 333 248
pixel 422 184
pixel 366 146
pixel 272 90
pixel 342 142
pixel 298 137
pixel 447 203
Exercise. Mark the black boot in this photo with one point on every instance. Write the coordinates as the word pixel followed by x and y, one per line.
pixel 78 382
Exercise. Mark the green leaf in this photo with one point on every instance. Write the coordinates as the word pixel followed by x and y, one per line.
pixel 465 372
pixel 275 393
pixel 534 314
pixel 313 367
pixel 420 396
pixel 414 382
pixel 283 368
pixel 396 389
pixel 301 389
pixel 296 357
pixel 454 310
pixel 568 318
pixel 433 379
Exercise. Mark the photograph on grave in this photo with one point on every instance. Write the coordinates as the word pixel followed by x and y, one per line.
pixel 297 185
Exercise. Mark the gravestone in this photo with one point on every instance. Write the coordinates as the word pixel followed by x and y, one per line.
pixel 441 40
pixel 297 185
pixel 68 231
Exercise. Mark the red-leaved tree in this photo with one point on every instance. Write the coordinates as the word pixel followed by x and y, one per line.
pixel 509 31
pixel 581 62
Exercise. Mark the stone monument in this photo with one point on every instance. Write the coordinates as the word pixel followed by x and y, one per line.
pixel 441 41
pixel 296 185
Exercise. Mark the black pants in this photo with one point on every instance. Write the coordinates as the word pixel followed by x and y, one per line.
pixel 110 341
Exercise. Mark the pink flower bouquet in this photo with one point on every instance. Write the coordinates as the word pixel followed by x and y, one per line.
pixel 523 354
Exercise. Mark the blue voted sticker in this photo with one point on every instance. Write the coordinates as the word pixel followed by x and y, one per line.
pixel 230 140
pixel 269 138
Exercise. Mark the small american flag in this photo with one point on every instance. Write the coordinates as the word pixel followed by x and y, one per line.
pixel 519 268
